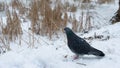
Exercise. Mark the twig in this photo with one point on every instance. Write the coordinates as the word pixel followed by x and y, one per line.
pixel 81 64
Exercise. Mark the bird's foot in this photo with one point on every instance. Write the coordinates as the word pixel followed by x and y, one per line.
pixel 76 57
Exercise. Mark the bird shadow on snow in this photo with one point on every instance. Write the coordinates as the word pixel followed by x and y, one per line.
pixel 86 57
pixel 84 60
pixel 90 58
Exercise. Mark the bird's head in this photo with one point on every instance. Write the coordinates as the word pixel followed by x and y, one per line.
pixel 68 30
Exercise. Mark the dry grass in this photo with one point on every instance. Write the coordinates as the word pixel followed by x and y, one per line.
pixel 18 5
pixel 75 24
pixel 11 31
pixel 85 4
pixel 99 1
pixel 86 1
pixel 34 16
pixel 2 6
pixel 68 7
pixel 81 22
pixel 84 24
pixel 13 28
pixel 105 1
pixel 4 44
pixel 45 20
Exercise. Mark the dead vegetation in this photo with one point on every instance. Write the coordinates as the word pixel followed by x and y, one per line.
pixel 18 5
pixel 105 1
pixel 46 18
pixel 2 6
pixel 13 28
pixel 116 17
pixel 98 37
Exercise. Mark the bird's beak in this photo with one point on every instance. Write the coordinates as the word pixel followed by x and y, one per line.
pixel 63 30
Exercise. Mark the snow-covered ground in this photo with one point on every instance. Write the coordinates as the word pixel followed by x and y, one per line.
pixel 55 53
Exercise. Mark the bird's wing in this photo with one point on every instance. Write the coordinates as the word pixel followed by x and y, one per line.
pixel 80 45
pixel 83 43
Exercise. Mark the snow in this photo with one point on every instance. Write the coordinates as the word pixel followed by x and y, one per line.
pixel 55 53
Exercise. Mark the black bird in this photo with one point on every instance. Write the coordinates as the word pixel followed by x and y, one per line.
pixel 79 46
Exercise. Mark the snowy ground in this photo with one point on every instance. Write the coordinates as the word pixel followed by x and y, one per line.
pixel 55 53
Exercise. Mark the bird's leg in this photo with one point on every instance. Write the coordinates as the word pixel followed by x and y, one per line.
pixel 80 56
pixel 76 57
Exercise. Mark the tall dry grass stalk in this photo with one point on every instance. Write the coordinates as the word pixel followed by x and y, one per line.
pixel 17 4
pixel 81 21
pixel 98 1
pixel 34 16
pixel 44 19
pixel 105 1
pixel 84 24
pixel 75 24
pixel 2 6
pixel 4 44
pixel 13 28
pixel 86 1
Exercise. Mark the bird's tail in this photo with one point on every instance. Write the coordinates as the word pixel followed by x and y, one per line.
pixel 96 52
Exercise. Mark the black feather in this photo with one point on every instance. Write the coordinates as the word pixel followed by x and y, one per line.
pixel 79 46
